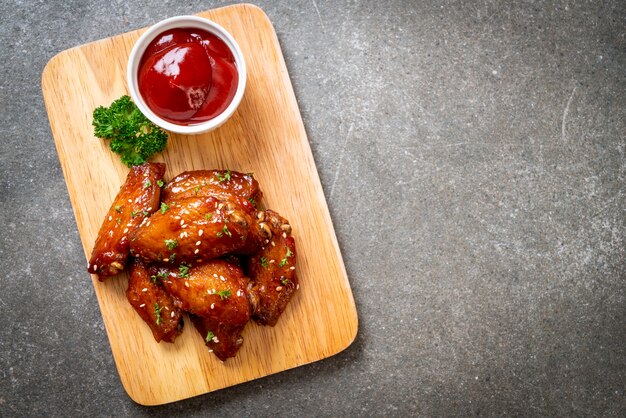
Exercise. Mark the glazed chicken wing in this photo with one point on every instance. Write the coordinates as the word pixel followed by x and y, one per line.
pixel 216 290
pixel 273 271
pixel 224 184
pixel 191 230
pixel 154 305
pixel 138 198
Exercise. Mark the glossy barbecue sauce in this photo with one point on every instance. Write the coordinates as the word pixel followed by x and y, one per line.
pixel 187 76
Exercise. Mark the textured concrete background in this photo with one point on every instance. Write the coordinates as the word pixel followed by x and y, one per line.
pixel 473 160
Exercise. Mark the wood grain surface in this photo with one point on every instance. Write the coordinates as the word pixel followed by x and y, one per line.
pixel 265 136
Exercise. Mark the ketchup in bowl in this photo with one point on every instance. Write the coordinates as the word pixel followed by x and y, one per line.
pixel 187 76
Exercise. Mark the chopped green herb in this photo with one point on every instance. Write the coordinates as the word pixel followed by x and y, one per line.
pixel 208 216
pixel 160 183
pixel 285 281
pixel 196 190
pixel 134 213
pixel 154 279
pixel 172 257
pixel 157 313
pixel 251 200
pixel 147 184
pixel 224 294
pixel 183 271
pixel 118 208
pixel 223 177
pixel 284 260
pixel 119 221
pixel 209 336
pixel 264 262
pixel 226 231
pixel 145 212
pixel 171 243
pixel 162 275
pixel 164 208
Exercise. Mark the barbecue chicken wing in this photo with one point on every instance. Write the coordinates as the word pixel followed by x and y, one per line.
pixel 273 270
pixel 152 302
pixel 138 198
pixel 216 290
pixel 192 229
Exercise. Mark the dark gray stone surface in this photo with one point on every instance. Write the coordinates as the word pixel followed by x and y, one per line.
pixel 472 156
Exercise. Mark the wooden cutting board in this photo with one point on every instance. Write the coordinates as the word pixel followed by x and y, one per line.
pixel 266 136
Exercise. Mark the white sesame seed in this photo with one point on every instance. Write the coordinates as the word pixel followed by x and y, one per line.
pixel 272 261
pixel 208 291
pixel 148 224
pixel 239 293
pixel 182 222
pixel 110 233
pixel 176 217
pixel 213 306
pixel 216 340
pixel 292 268
pixel 172 314
pixel 184 226
pixel 110 218
pixel 125 230
pixel 130 200
pixel 182 235
pixel 222 278
pixel 215 275
pixel 197 251
pixel 145 289
pixel 198 243
pixel 284 235
pixel 213 291
pixel 210 351
pixel 186 284
pixel 200 232
pixel 298 286
pixel 95 267
pixel 279 288
pixel 273 245
pixel 142 305
pixel 129 224
pixel 166 259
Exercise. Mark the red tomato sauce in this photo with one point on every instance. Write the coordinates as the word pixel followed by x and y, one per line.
pixel 187 76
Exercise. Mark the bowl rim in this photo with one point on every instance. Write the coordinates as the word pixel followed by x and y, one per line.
pixel 184 21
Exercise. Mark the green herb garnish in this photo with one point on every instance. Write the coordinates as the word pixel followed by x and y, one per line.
pixel 171 243
pixel 264 262
pixel 164 208
pixel 183 271
pixel 160 183
pixel 118 208
pixel 147 184
pixel 284 260
pixel 223 177
pixel 157 313
pixel 224 294
pixel 132 135
pixel 209 336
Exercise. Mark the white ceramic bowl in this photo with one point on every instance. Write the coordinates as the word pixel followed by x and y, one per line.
pixel 185 22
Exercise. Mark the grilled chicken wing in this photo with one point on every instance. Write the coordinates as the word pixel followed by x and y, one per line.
pixel 224 184
pixel 191 230
pixel 273 270
pixel 216 290
pixel 224 340
pixel 138 197
pixel 154 305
